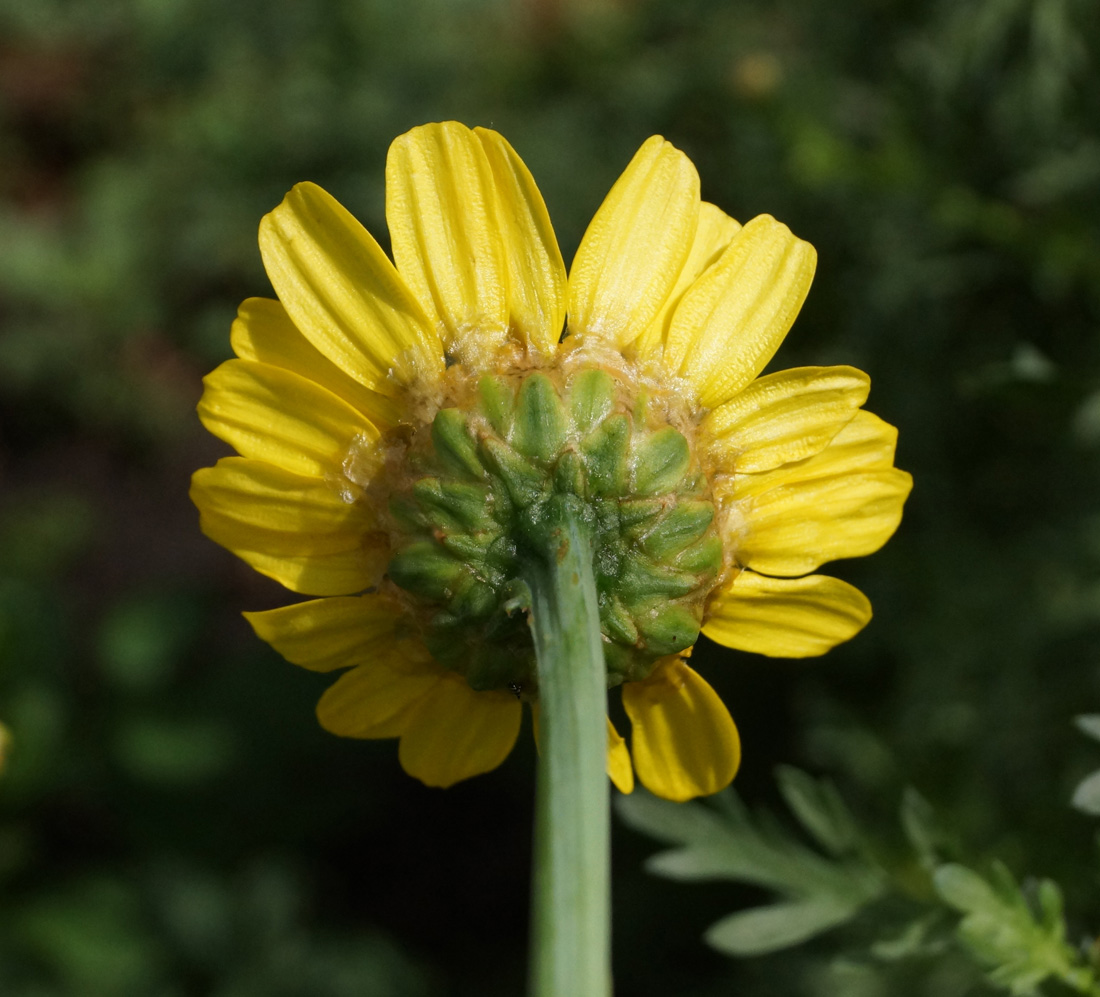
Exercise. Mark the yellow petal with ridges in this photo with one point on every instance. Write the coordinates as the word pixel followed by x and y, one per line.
pixel 635 246
pixel 684 741
pixel 456 733
pixel 732 319
pixel 293 528
pixel 262 331
pixel 795 529
pixel 845 501
pixel 344 294
pixel 310 574
pixel 299 514
pixel 441 207
pixel 536 272
pixel 379 698
pixel 784 417
pixel 274 415
pixel 619 768
pixel 785 617
pixel 325 634
pixel 715 232
pixel 865 443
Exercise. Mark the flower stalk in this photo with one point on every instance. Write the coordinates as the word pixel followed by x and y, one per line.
pixel 571 921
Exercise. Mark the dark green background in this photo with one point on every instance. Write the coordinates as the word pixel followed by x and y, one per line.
pixel 172 820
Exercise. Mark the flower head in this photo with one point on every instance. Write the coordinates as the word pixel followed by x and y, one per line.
pixel 400 425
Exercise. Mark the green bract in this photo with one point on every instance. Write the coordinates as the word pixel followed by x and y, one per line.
pixel 486 493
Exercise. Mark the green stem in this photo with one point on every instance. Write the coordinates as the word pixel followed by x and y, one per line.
pixel 571 917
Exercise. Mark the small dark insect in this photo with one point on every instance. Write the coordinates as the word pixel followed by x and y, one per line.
pixel 516 688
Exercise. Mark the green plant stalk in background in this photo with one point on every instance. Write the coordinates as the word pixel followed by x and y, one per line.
pixel 571 920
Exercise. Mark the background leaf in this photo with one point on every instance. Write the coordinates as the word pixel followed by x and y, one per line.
pixel 768 929
pixel 722 841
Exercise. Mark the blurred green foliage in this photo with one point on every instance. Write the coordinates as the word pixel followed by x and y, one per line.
pixel 171 819
pixel 895 909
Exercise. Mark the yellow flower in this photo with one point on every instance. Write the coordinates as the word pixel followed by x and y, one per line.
pixel 389 416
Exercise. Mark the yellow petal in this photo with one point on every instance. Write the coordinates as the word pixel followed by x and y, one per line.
pixel 295 513
pixel 324 634
pixel 794 530
pixel 262 331
pixel 618 760
pixel 845 501
pixel 536 272
pixel 635 246
pixel 441 207
pixel 865 443
pixel 684 741
pixel 619 769
pixel 732 320
pixel 784 417
pixel 715 232
pixel 276 416
pixel 311 574
pixel 456 733
pixel 379 698
pixel 296 529
pixel 345 296
pixel 785 617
